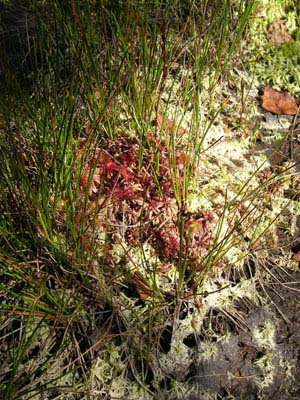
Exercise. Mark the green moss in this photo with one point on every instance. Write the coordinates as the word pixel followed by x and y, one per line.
pixel 296 34
pixel 276 65
pixel 288 50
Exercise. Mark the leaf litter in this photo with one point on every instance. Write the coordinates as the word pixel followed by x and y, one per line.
pixel 278 102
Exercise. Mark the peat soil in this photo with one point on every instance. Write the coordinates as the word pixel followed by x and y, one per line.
pixel 246 369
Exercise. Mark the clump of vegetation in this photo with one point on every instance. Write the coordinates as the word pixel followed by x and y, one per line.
pixel 116 217
pixel 275 64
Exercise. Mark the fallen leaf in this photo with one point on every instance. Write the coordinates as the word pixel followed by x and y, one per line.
pixel 278 102
pixel 278 33
pixel 141 287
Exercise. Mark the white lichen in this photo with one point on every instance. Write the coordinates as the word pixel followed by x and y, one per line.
pixel 267 369
pixel 265 336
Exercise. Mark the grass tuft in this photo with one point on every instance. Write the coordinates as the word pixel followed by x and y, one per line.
pixel 111 217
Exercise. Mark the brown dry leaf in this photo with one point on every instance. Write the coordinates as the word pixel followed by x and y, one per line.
pixel 141 287
pixel 278 102
pixel 278 33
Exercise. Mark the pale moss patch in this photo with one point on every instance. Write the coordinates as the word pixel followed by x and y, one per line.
pixel 177 360
pixel 267 368
pixel 224 299
pixel 288 367
pixel 208 351
pixel 265 336
pixel 107 363
pixel 236 256
pixel 107 375
pixel 121 388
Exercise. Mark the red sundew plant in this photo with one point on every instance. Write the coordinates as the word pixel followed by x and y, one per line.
pixel 134 205
pixel 266 177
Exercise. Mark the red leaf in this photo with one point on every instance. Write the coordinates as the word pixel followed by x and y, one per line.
pixel 111 166
pixel 125 173
pixel 123 194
